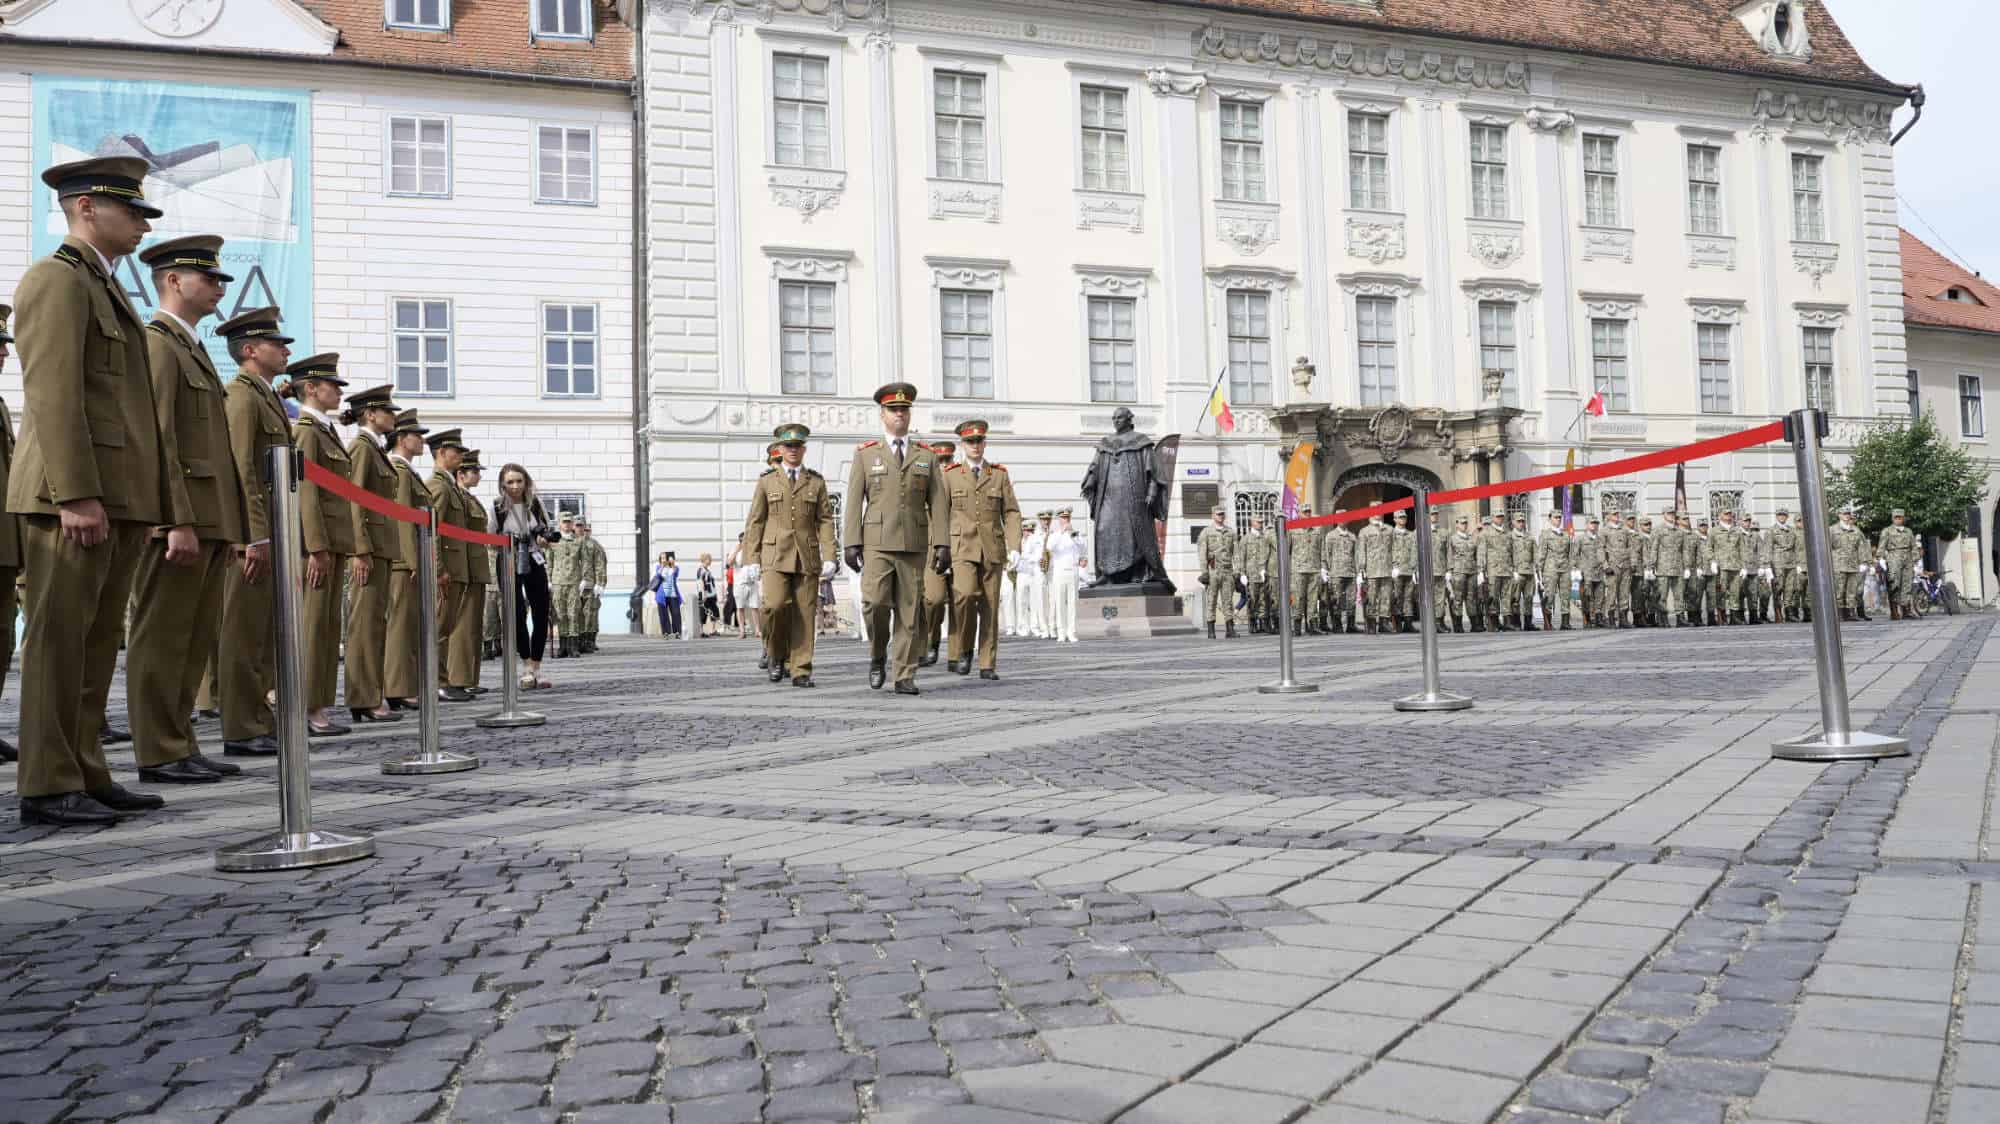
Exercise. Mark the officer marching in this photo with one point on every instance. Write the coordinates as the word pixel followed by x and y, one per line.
pixel 451 504
pixel 592 571
pixel 897 514
pixel 985 540
pixel 937 587
pixel 791 527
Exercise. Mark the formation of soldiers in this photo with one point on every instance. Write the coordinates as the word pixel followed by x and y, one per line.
pixel 139 479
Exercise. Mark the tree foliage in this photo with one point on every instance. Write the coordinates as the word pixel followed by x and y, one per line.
pixel 1908 464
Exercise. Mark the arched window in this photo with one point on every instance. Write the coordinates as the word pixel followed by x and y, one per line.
pixel 1256 505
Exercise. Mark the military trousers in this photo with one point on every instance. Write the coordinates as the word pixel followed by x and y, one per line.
pixel 76 610
pixel 1262 606
pixel 590 609
pixel 1729 593
pixel 937 596
pixel 789 601
pixel 1340 598
pixel 180 612
pixel 1381 597
pixel 489 631
pixel 1062 604
pixel 1555 596
pixel 245 668
pixel 1791 590
pixel 320 634
pixel 1591 594
pixel 1033 619
pixel 1406 596
pixel 1218 597
pixel 462 652
pixel 1010 604
pixel 1899 584
pixel 401 670
pixel 1617 595
pixel 892 587
pixel 9 616
pixel 1457 605
pixel 975 611
pixel 1523 605
pixel 367 637
pixel 562 599
pixel 451 605
pixel 1673 599
pixel 1849 589
pixel 1306 598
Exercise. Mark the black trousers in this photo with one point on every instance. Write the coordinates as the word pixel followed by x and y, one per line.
pixel 531 587
pixel 670 618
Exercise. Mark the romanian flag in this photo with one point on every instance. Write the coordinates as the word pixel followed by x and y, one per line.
pixel 1218 407
pixel 1295 479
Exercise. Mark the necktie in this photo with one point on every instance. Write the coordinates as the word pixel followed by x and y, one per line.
pixel 976 470
pixel 899 453
pixel 793 473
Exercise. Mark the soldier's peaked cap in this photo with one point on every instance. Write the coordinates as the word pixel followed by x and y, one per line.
pixel 944 448
pixel 1063 511
pixel 6 310
pixel 1045 514
pixel 325 365
pixel 470 461
pixel 406 422
pixel 1896 511
pixel 116 177
pixel 257 323
pixel 567 517
pixel 791 433
pixel 195 251
pixel 374 398
pixel 972 429
pixel 896 394
pixel 453 438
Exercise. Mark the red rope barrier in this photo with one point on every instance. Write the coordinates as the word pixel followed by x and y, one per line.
pixel 477 538
pixel 1714 446
pixel 347 490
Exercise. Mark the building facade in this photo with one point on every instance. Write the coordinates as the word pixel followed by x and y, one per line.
pixel 1345 211
pixel 443 197
pixel 1952 318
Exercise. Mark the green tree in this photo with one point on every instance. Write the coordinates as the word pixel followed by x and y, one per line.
pixel 1908 464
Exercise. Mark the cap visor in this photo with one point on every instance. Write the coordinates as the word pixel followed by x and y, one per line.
pixel 275 339
pixel 219 275
pixel 146 209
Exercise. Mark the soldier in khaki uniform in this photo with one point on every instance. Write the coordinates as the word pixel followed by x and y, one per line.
pixel 327 522
pixel 1461 569
pixel 377 547
pixel 563 586
pixel 592 571
pixel 452 506
pixel 467 628
pixel 1588 554
pixel 1847 543
pixel 1554 560
pixel 1220 556
pixel 1403 571
pixel 985 543
pixel 897 513
pixel 1339 564
pixel 1375 548
pixel 791 523
pixel 937 587
pixel 401 675
pixel 10 541
pixel 91 477
pixel 257 424
pixel 1302 551
pixel 1901 553
pixel 1788 568
pixel 1619 556
pixel 179 601
pixel 1260 551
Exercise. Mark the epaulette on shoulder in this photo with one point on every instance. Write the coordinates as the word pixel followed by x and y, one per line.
pixel 159 326
pixel 814 473
pixel 769 470
pixel 870 444
pixel 954 466
pixel 1001 467
pixel 68 254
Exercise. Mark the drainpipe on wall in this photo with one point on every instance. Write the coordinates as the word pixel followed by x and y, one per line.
pixel 1916 93
pixel 642 508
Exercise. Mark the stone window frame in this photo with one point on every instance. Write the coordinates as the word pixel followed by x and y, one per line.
pixel 1393 107
pixel 1110 207
pixel 1524 296
pixel 1404 290
pixel 981 63
pixel 1712 311
pixel 1129 282
pixel 1277 283
pixel 798 263
pixel 988 275
pixel 1616 306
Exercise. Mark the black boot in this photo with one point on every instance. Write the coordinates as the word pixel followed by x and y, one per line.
pixel 1229 630
pixel 1211 630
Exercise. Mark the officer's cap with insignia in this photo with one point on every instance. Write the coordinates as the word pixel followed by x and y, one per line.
pixel 104 177
pixel 791 433
pixel 195 251
pixel 446 439
pixel 896 394
pixel 374 398
pixel 1782 511
pixel 567 517
pixel 322 367
pixel 1063 511
pixel 6 310
pixel 1045 515
pixel 469 462
pixel 1897 512
pixel 972 429
pixel 406 422
pixel 945 449
pixel 257 323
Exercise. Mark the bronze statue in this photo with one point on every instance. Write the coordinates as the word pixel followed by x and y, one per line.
pixel 1127 489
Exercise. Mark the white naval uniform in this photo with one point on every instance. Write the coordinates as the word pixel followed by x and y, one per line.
pixel 1032 619
pixel 1065 571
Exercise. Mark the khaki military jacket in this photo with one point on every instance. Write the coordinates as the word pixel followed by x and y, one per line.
pixel 1339 552
pixel 1403 549
pixel 1375 549
pixel 1462 553
pixel 1588 552
pixel 1788 548
pixel 1552 552
pixel 204 489
pixel 1258 551
pixel 1218 549
pixel 1669 553
pixel 1440 551
pixel 594 566
pixel 1618 554
pixel 90 429
pixel 1302 547
pixel 1704 552
pixel 1649 551
pixel 1496 554
pixel 1849 547
pixel 257 424
pixel 1757 551
pixel 369 469
pixel 326 519
pixel 791 523
pixel 985 517
pixel 478 559
pixel 1731 547
pixel 1898 546
pixel 1524 552
pixel 10 527
pixel 410 492
pixel 453 506
pixel 901 510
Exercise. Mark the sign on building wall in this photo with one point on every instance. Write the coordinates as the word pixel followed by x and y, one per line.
pixel 223 160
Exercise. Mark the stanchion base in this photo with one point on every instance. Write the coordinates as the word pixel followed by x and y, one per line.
pixel 1286 687
pixel 1858 745
pixel 442 763
pixel 281 851
pixel 506 721
pixel 1443 700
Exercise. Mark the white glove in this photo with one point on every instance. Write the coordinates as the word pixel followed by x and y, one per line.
pixel 1802 569
pixel 1395 572
pixel 587 587
pixel 1013 556
pixel 1767 573
pixel 1576 575
pixel 1325 575
pixel 1687 573
pixel 826 569
pixel 1482 579
pixel 1649 575
pixel 1714 568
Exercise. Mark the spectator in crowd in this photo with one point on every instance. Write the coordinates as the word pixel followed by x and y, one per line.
pixel 749 597
pixel 518 514
pixel 729 617
pixel 666 590
pixel 710 609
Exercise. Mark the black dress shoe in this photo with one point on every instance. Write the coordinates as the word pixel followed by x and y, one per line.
pixel 184 771
pixel 209 713
pixel 263 745
pixel 777 673
pixel 988 673
pixel 475 692
pixel 803 681
pixel 764 662
pixel 363 714
pixel 71 809
pixel 907 687
pixel 403 704
pixel 112 735
pixel 8 752
pixel 121 799
pixel 964 666
pixel 455 694
pixel 876 676
pixel 329 730
pixel 930 658
pixel 219 768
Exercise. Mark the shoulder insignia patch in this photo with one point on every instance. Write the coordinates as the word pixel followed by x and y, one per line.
pixel 814 473
pixel 999 467
pixel 159 326
pixel 953 467
pixel 769 471
pixel 68 254
pixel 870 444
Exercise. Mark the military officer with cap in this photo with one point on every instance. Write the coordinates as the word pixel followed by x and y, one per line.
pixel 1403 572
pixel 592 571
pixel 1221 558
pixel 897 513
pixel 1259 548
pixel 401 670
pixel 327 523
pixel 1788 569
pixel 791 523
pixel 461 658
pixel 257 424
pixel 1496 572
pixel 377 546
pixel 1901 555
pixel 1554 560
pixel 92 479
pixel 1066 556
pixel 1302 551
pixel 937 587
pixel 177 595
pixel 562 561
pixel 985 540
pixel 1847 543
pixel 10 540
pixel 453 507
pixel 1461 570
pixel 1339 564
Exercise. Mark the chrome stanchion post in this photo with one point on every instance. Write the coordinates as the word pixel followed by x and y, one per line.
pixel 1433 696
pixel 1837 739
pixel 296 844
pixel 510 716
pixel 1286 685
pixel 430 758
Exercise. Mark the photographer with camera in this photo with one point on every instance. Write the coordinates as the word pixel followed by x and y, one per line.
pixel 519 515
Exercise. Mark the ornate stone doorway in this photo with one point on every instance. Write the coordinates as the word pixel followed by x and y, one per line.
pixel 1370 484
pixel 1371 455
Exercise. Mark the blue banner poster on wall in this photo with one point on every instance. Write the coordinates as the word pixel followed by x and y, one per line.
pixel 221 160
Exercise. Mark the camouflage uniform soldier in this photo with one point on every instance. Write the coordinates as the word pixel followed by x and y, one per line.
pixel 1670 544
pixel 593 569
pixel 1849 546
pixel 1376 552
pixel 1645 584
pixel 1221 555
pixel 1756 568
pixel 1553 563
pixel 1788 568
pixel 1403 568
pixel 1901 553
pixel 1588 550
pixel 1302 547
pixel 1619 551
pixel 1461 570
pixel 562 586
pixel 1701 597
pixel 1339 562
pixel 1259 549
pixel 1496 574
pixel 1522 605
pixel 1440 566
pixel 1731 545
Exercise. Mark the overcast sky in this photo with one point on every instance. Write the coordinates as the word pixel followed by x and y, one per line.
pixel 1947 169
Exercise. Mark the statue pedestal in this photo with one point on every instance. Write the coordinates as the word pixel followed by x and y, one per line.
pixel 1136 609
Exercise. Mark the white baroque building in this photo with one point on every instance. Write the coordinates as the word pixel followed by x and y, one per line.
pixel 1038 211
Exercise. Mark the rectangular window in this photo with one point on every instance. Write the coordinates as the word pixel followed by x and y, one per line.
pixel 419 156
pixel 1375 320
pixel 966 317
pixel 1249 348
pixel 1818 350
pixel 1368 161
pixel 1622 501
pixel 1704 189
pixel 1489 171
pixel 1808 202
pixel 1242 150
pixel 1727 499
pixel 1106 164
pixel 421 343
pixel 1114 349
pixel 1971 407
pixel 569 350
pixel 1252 506
pixel 802 135
pixel 565 171
pixel 1497 349
pixel 1712 345
pixel 959 108
pixel 1600 181
pixel 559 504
pixel 562 19
pixel 1912 388
pixel 806 337
pixel 1611 363
pixel 423 15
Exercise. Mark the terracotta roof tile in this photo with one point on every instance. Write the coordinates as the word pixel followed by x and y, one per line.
pixel 1701 33
pixel 485 35
pixel 1927 275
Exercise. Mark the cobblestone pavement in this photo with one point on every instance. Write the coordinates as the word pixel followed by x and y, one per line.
pixel 1116 885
